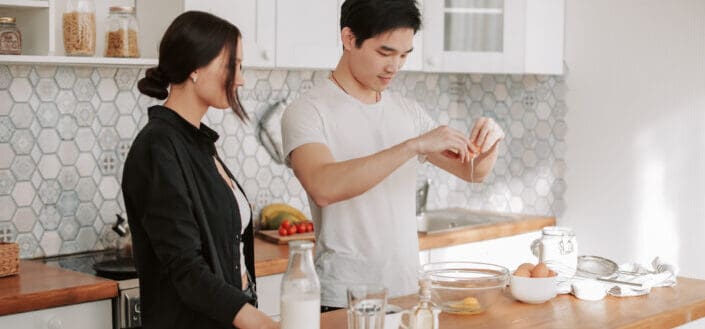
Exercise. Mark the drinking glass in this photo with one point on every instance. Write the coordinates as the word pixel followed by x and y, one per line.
pixel 366 306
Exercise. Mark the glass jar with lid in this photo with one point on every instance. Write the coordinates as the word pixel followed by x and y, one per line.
pixel 122 33
pixel 79 28
pixel 10 37
pixel 558 248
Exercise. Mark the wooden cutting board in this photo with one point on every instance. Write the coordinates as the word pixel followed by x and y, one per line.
pixel 273 236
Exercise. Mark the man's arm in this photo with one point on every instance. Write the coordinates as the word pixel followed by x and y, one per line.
pixel 328 181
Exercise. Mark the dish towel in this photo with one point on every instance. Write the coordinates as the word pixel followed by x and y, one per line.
pixel 659 275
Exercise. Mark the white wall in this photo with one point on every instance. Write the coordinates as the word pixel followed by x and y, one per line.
pixel 636 129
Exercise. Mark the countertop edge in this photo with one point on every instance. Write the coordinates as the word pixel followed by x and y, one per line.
pixel 69 295
pixel 484 232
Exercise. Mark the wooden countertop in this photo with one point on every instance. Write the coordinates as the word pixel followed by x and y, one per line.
pixel 39 286
pixel 272 259
pixel 662 308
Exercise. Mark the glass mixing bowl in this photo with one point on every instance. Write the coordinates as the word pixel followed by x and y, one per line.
pixel 465 287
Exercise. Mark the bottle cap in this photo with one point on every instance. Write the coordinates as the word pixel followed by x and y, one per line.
pixel 301 244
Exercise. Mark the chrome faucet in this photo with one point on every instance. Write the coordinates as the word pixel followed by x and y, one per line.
pixel 422 197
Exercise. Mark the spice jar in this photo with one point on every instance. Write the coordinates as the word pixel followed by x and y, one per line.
pixel 10 37
pixel 79 28
pixel 121 37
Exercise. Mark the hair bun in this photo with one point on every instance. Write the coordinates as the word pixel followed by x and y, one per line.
pixel 154 83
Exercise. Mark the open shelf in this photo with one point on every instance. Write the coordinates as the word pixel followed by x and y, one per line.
pixel 24 3
pixel 40 22
pixel 76 60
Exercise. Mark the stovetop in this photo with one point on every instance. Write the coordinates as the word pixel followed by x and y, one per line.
pixel 109 264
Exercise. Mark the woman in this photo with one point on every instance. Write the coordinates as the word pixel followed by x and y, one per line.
pixel 191 223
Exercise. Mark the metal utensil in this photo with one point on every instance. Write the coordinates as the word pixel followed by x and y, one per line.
pixel 598 268
pixel 269 131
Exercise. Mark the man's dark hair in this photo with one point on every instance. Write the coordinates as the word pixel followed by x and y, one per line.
pixel 370 18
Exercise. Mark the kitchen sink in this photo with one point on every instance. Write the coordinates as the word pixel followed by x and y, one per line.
pixel 442 220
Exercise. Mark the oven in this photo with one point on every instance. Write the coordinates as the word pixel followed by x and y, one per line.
pixel 126 307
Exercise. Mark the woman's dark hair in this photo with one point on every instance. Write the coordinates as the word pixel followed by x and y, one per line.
pixel 370 18
pixel 192 41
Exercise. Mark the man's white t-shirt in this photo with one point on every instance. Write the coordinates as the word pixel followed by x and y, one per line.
pixel 370 238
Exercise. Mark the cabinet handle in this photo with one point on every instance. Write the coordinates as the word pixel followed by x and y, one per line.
pixel 266 55
pixel 55 323
pixel 432 61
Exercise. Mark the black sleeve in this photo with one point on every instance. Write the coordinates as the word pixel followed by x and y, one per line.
pixel 174 235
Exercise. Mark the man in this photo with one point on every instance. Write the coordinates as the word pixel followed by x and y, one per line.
pixel 354 148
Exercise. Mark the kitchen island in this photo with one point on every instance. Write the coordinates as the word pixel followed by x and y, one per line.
pixel 662 308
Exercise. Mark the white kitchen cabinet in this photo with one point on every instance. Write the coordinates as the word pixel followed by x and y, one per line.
pixel 256 20
pixel 509 252
pixel 308 34
pixel 494 36
pixel 92 315
pixel 269 293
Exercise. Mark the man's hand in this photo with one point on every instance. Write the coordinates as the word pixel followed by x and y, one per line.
pixel 447 141
pixel 485 134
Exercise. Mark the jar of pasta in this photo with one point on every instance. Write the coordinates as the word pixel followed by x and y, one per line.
pixel 10 37
pixel 79 28
pixel 122 31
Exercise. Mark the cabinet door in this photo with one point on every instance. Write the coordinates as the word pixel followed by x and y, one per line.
pixel 545 30
pixel 256 21
pixel 509 252
pixel 308 34
pixel 91 315
pixel 269 294
pixel 483 36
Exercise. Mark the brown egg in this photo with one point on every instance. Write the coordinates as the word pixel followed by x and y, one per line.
pixel 551 273
pixel 522 272
pixel 540 271
pixel 526 266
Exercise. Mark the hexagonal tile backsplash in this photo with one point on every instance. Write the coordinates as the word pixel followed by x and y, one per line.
pixel 64 138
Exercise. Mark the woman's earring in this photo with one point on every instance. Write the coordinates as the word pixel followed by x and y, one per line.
pixel 194 79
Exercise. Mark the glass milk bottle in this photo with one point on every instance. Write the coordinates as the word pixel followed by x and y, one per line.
pixel 300 290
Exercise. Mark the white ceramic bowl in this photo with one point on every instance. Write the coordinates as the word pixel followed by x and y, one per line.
pixel 533 290
pixel 589 289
